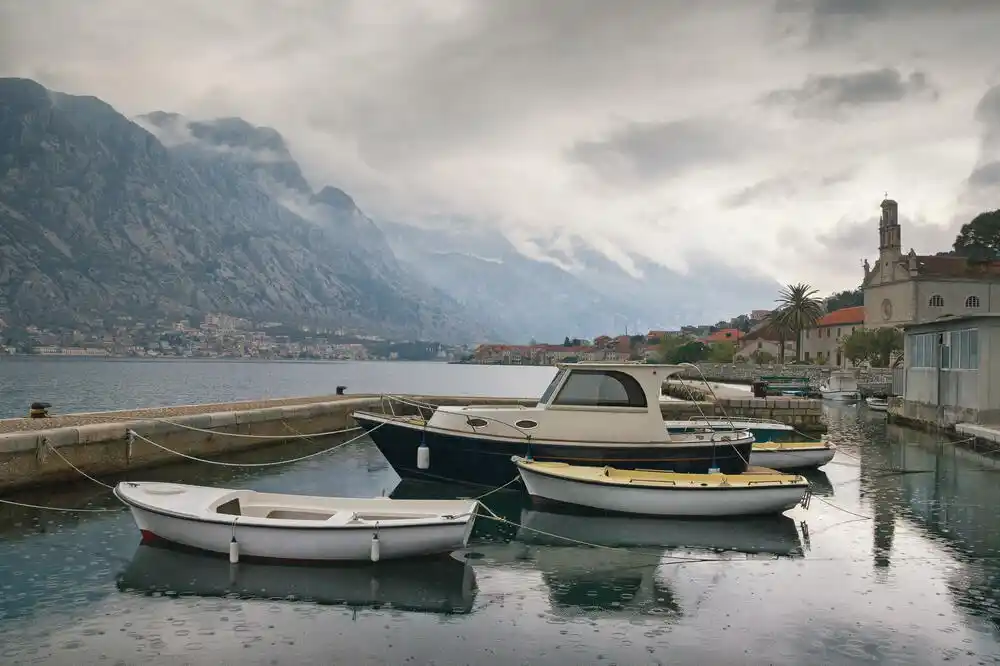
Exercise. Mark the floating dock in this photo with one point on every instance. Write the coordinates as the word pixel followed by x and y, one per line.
pixel 39 451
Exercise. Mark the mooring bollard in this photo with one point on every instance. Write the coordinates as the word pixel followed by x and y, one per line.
pixel 39 410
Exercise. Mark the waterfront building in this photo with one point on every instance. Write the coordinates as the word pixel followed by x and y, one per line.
pixel 951 370
pixel 822 343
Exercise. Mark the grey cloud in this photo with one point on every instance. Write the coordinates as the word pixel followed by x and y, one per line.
pixel 782 187
pixel 821 95
pixel 986 175
pixel 856 239
pixel 644 153
pixel 988 109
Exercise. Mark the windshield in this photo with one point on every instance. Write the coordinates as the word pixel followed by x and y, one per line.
pixel 547 396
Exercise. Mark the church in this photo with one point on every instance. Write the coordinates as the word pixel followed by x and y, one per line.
pixel 910 288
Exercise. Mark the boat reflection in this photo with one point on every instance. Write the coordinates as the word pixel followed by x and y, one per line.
pixel 435 585
pixel 776 535
pixel 608 565
pixel 819 482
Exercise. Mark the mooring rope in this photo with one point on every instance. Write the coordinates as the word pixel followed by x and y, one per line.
pixel 221 463
pixel 56 508
pixel 239 434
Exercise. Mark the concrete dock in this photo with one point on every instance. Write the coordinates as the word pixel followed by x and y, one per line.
pixel 97 442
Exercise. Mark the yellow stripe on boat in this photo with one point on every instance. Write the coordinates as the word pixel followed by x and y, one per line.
pixel 790 446
pixel 753 477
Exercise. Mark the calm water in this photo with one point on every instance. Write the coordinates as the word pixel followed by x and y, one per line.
pixel 914 578
pixel 81 384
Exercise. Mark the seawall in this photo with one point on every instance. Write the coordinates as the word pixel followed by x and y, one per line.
pixel 97 442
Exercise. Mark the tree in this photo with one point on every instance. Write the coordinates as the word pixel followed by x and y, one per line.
pixel 721 352
pixel 856 347
pixel 761 357
pixel 798 309
pixel 689 352
pixel 845 299
pixel 567 342
pixel 881 347
pixel 979 240
pixel 742 322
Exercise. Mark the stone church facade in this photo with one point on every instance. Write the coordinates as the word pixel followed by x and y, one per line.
pixel 910 288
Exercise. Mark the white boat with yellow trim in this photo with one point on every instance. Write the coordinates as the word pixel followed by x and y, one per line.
pixel 783 456
pixel 757 491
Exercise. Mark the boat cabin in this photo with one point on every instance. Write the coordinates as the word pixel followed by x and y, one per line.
pixel 612 402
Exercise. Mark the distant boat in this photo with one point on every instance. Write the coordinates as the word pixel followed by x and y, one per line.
pixel 877 404
pixel 651 493
pixel 840 386
pixel 590 414
pixel 296 527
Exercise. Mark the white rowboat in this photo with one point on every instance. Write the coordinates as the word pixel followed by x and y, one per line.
pixel 297 527
pixel 757 491
pixel 877 404
pixel 792 455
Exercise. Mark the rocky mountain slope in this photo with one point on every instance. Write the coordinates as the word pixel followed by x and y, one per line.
pixel 100 218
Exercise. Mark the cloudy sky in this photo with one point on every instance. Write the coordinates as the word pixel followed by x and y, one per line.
pixel 757 133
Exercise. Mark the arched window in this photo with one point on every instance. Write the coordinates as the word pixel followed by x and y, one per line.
pixel 937 301
pixel 972 302
pixel 601 388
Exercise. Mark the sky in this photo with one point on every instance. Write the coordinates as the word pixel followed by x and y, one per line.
pixel 757 134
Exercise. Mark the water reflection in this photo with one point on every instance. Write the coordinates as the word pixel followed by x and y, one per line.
pixel 435 585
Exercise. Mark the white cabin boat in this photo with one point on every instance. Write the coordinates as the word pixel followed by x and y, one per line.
pixel 590 414
pixel 841 386
pixel 296 527
pixel 757 492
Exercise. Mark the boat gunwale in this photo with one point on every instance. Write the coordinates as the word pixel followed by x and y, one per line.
pixel 408 422
pixel 654 486
pixel 254 521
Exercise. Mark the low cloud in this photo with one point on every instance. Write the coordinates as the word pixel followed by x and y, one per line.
pixel 830 94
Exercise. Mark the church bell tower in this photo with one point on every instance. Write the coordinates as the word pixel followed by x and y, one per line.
pixel 890 241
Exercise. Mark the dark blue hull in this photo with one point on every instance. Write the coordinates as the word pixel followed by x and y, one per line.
pixel 486 462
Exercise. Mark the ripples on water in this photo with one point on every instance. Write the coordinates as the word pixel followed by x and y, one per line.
pixel 916 581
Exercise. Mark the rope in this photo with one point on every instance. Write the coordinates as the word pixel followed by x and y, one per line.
pixel 267 464
pixel 490 492
pixel 56 508
pixel 77 469
pixel 839 508
pixel 719 405
pixel 237 434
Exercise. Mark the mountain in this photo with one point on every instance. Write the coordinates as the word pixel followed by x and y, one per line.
pixel 578 293
pixel 101 217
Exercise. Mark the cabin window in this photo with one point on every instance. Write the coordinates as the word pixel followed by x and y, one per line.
pixel 477 423
pixel 526 424
pixel 936 301
pixel 601 388
pixel 972 302
pixel 552 385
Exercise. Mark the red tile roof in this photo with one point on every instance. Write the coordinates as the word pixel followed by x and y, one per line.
pixel 854 315
pixel 724 335
pixel 955 267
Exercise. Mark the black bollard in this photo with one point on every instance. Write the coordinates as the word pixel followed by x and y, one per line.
pixel 39 410
pixel 341 389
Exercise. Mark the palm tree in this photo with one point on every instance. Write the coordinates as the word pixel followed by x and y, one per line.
pixel 798 309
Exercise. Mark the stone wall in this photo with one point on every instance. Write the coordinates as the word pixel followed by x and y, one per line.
pixel 748 372
pixel 805 415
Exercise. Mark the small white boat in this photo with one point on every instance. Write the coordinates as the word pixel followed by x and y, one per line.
pixel 841 386
pixel 297 527
pixel 877 404
pixel 792 455
pixel 754 492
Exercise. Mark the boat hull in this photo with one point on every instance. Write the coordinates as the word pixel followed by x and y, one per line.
pixel 712 502
pixel 791 458
pixel 840 396
pixel 487 462
pixel 301 544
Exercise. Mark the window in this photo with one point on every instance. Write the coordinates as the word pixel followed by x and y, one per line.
pixel 972 302
pixel 922 349
pixel 964 350
pixel 838 331
pixel 805 356
pixel 936 301
pixel 553 384
pixel 828 332
pixel 958 350
pixel 601 388
pixel 526 424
